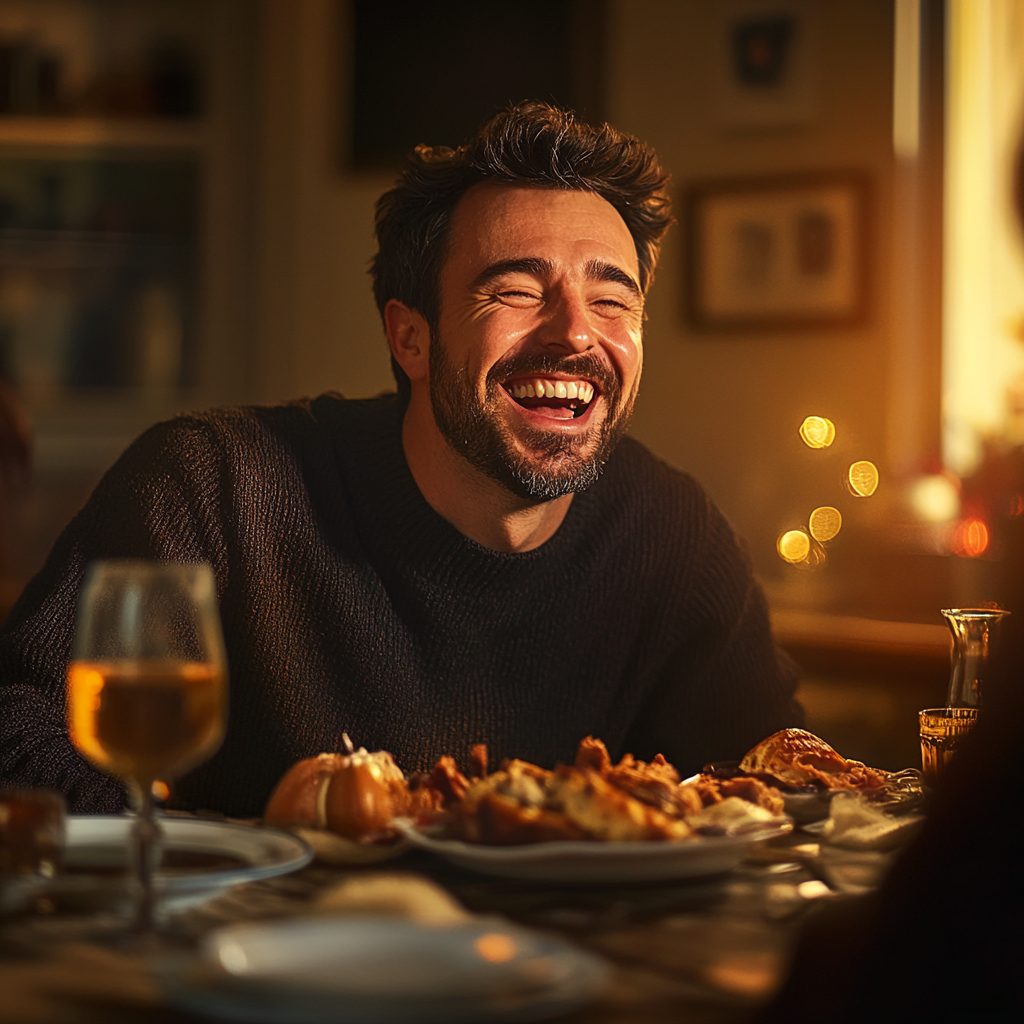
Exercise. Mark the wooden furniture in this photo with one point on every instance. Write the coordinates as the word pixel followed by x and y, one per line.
pixel 699 950
pixel 862 681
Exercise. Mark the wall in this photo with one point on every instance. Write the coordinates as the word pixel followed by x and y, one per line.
pixel 725 407
pixel 317 324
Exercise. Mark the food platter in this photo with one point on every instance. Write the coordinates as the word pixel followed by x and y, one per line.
pixel 363 970
pixel 592 821
pixel 96 846
pixel 597 862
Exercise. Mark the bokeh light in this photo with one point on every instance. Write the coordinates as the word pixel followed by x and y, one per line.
pixel 815 557
pixel 817 432
pixel 935 499
pixel 496 947
pixel 970 538
pixel 862 479
pixel 794 546
pixel 824 523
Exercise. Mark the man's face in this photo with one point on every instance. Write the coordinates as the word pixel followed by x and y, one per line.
pixel 537 363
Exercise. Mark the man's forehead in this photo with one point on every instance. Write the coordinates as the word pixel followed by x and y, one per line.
pixel 496 219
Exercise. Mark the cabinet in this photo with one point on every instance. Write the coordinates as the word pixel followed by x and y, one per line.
pixel 126 133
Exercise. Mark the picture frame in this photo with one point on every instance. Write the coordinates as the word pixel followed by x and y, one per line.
pixel 767 63
pixel 785 252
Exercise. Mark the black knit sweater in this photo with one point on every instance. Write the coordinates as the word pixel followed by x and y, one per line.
pixel 349 605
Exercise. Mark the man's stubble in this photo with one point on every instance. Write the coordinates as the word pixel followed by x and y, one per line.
pixel 539 465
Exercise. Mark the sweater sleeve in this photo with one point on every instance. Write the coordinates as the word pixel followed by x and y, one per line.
pixel 146 506
pixel 726 685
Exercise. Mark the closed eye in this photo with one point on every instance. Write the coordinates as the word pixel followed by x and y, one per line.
pixel 613 307
pixel 515 297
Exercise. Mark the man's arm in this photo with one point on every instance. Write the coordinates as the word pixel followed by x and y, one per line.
pixel 146 506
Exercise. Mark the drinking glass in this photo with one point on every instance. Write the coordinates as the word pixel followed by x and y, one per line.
pixel 147 687
pixel 942 732
pixel 973 632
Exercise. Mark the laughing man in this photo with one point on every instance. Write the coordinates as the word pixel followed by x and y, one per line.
pixel 483 557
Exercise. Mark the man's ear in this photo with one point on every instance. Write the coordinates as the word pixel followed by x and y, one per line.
pixel 409 338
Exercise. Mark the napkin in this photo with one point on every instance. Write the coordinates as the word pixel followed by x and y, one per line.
pixel 857 824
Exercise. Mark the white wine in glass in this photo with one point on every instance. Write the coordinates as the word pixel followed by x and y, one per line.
pixel 147 686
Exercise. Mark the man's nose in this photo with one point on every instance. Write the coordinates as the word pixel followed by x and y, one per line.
pixel 568 327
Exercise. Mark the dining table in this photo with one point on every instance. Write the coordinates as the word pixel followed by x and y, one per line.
pixel 711 950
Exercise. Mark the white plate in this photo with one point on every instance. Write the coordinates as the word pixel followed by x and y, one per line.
pixel 101 841
pixel 586 862
pixel 373 970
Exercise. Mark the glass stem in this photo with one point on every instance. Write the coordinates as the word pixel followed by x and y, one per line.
pixel 145 836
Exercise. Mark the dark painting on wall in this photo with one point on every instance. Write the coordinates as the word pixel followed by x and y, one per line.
pixel 431 72
pixel 760 48
pixel 765 62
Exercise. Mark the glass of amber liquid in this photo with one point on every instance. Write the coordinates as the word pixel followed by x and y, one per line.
pixel 147 689
pixel 942 731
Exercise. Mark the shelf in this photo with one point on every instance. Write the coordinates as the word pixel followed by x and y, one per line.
pixel 147 133
pixel 849 633
pixel 84 250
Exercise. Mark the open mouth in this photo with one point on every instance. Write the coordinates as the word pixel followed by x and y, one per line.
pixel 552 396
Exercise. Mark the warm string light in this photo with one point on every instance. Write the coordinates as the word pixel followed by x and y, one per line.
pixel 496 948
pixel 970 539
pixel 804 546
pixel 817 432
pixel 935 499
pixel 825 523
pixel 794 546
pixel 862 479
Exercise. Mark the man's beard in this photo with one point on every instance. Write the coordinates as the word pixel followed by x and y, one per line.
pixel 537 465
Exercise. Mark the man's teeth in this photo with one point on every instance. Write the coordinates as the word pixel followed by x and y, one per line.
pixel 540 388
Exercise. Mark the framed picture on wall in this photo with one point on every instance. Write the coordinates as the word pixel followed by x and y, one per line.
pixel 777 253
pixel 766 63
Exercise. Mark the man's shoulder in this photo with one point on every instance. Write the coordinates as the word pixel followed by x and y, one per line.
pixel 301 419
pixel 252 452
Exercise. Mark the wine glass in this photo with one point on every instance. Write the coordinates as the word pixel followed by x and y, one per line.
pixel 147 687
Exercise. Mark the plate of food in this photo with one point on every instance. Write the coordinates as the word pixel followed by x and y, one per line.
pixel 593 821
pixel 200 858
pixel 593 863
pixel 807 774
pixel 589 822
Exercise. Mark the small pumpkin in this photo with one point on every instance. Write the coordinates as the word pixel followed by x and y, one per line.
pixel 299 798
pixel 351 794
pixel 358 800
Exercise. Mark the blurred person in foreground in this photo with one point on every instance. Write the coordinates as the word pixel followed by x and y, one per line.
pixel 483 557
pixel 941 940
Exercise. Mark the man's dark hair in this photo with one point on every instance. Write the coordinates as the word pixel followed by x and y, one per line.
pixel 530 143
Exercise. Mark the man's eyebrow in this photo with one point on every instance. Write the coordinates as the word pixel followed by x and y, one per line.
pixel 598 270
pixel 523 265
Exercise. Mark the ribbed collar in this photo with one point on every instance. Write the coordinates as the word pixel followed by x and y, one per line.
pixel 391 509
